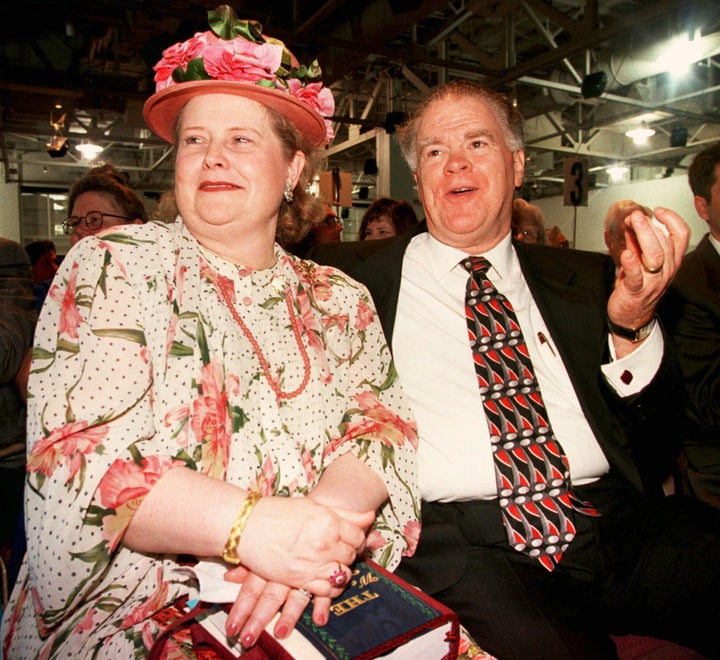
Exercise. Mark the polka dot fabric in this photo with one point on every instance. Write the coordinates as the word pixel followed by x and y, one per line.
pixel 139 366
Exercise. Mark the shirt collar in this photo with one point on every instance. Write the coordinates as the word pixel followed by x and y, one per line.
pixel 445 259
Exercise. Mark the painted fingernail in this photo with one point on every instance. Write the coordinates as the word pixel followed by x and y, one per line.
pixel 321 619
pixel 281 632
pixel 247 641
pixel 232 629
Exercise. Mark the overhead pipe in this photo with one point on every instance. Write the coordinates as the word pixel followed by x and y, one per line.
pixel 628 67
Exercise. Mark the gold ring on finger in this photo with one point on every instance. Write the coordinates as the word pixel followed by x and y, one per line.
pixel 653 271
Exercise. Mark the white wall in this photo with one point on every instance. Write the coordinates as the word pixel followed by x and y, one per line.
pixel 9 209
pixel 586 230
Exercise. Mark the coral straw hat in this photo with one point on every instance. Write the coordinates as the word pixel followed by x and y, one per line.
pixel 235 58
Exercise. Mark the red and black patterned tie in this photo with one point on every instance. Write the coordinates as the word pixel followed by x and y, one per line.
pixel 532 472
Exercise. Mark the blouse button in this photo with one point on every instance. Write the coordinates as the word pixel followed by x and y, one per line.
pixel 247 301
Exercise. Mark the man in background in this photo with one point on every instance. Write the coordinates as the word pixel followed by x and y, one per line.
pixel 43 257
pixel 691 314
pixel 17 326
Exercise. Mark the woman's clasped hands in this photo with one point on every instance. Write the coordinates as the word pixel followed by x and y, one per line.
pixel 307 548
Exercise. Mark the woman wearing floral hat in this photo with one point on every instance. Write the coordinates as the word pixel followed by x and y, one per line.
pixel 200 397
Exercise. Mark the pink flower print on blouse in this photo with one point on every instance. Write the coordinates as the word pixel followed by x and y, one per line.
pixel 376 423
pixel 70 318
pixel 68 444
pixel 212 422
pixel 178 292
pixel 87 622
pixel 12 617
pixel 307 462
pixel 312 334
pixel 148 607
pixel 265 483
pixel 320 284
pixel 411 532
pixel 225 284
pixel 111 249
pixel 365 315
pixel 375 540
pixel 177 418
pixel 123 487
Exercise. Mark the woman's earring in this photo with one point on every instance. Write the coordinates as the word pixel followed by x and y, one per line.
pixel 288 193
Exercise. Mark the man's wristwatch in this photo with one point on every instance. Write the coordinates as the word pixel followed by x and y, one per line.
pixel 633 334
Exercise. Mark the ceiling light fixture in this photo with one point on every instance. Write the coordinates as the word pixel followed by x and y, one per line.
pixel 617 172
pixel 641 134
pixel 57 146
pixel 89 150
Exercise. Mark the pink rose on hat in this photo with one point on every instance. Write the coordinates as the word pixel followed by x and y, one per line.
pixel 317 96
pixel 240 60
pixel 178 55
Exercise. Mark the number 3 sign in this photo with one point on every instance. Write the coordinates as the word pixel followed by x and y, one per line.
pixel 576 182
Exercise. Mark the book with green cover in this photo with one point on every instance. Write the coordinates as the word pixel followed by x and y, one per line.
pixel 379 614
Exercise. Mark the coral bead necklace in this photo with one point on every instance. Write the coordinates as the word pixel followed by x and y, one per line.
pixel 264 364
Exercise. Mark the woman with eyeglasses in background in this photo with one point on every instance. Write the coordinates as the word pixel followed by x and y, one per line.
pixel 101 199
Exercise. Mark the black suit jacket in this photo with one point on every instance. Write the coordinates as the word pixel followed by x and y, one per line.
pixel 691 314
pixel 639 435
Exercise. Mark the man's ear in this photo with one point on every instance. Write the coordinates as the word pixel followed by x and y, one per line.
pixel 519 166
pixel 701 206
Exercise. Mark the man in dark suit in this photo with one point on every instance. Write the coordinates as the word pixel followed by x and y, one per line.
pixel 691 314
pixel 17 326
pixel 646 564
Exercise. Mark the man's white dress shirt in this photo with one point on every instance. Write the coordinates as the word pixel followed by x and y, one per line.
pixel 433 357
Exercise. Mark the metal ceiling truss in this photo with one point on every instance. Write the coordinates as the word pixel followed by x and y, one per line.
pixel 381 57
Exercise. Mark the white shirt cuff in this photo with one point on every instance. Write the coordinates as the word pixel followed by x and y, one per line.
pixel 629 375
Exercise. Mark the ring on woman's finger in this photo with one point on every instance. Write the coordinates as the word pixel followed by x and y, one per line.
pixel 653 271
pixel 306 593
pixel 338 578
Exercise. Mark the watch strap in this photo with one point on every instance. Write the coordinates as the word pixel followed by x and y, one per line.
pixel 633 334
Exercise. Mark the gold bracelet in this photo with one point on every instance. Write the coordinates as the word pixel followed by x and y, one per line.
pixel 229 554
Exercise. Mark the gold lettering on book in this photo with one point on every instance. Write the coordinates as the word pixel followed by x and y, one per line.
pixel 349 604
pixel 367 579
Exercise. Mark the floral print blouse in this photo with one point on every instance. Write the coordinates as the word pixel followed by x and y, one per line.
pixel 138 366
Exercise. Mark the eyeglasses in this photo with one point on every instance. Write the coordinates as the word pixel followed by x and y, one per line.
pixel 332 221
pixel 93 221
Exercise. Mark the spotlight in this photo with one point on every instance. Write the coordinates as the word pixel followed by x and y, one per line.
pixel 57 147
pixel 679 137
pixel 593 84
